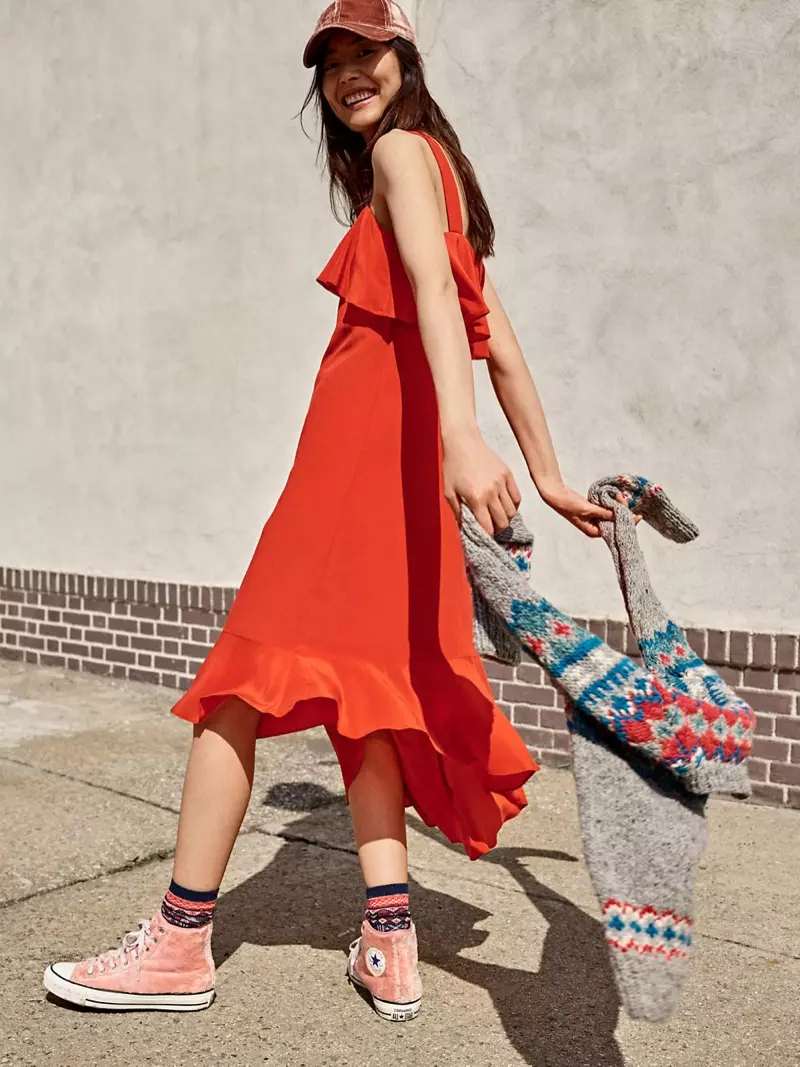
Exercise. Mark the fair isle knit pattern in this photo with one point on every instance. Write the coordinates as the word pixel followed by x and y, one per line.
pixel 387 908
pixel 188 908
pixel 675 709
pixel 649 743
pixel 647 931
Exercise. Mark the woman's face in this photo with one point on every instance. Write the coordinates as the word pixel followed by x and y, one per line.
pixel 360 78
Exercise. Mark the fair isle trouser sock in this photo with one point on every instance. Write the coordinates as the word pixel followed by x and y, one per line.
pixel 387 907
pixel 188 908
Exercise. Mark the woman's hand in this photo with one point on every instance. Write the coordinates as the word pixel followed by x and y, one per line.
pixel 476 475
pixel 577 509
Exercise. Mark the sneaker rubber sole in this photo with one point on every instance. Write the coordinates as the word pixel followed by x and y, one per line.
pixel 108 1000
pixel 385 1009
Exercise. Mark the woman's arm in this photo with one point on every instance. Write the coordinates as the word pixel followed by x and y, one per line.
pixel 473 473
pixel 521 405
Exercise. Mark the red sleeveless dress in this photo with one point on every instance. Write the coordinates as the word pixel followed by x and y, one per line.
pixel 355 612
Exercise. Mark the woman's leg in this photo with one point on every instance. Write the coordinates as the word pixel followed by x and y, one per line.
pixel 378 813
pixel 216 792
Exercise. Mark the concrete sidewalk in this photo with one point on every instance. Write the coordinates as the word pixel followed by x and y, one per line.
pixel 514 964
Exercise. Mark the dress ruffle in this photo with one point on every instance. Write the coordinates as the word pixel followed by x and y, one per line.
pixel 384 290
pixel 466 782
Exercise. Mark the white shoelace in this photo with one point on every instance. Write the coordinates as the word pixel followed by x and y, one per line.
pixel 134 942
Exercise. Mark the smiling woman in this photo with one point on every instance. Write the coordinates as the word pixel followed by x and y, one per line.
pixel 355 613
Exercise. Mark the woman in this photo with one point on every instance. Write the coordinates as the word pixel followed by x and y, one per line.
pixel 355 612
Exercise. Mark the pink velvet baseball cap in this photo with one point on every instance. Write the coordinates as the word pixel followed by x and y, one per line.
pixel 377 20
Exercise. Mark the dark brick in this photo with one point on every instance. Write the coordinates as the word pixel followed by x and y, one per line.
pixel 122 640
pixel 144 659
pixel 53 615
pixel 770 749
pixel 100 637
pixel 28 641
pixel 54 600
pixel 732 675
pixel 52 645
pixel 166 629
pixel 73 649
pixel 765 725
pixel 31 657
pixel 118 671
pixel 770 703
pixel 145 611
pixel 49 660
pixel 171 614
pixel 130 626
pixel 48 630
pixel 213 635
pixel 199 634
pixel 11 653
pixel 9 639
pixel 537 738
pixel 120 608
pixel 76 618
pixel 96 668
pixel 793 798
pixel 517 693
pixel 556 760
pixel 137 675
pixel 75 602
pixel 757 769
pixel 75 634
pixel 739 651
pixel 12 596
pixel 784 773
pixel 794 756
pixel 32 613
pixel 120 655
pixel 616 635
pixel 553 719
pixel 771 793
pixel 199 618
pixel 495 686
pixel 184 682
pixel 12 624
pixel 167 663
pixel 526 715
pixel 759 679
pixel 716 651
pixel 598 627
pixel 500 671
pixel 152 644
pixel 171 648
pixel 788 727
pixel 529 672
pixel 145 627
pixel 102 607
pixel 786 652
pixel 169 681
pixel 763 653
pixel 505 709
pixel 96 652
pixel 789 680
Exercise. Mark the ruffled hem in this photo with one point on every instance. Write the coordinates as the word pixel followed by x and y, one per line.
pixel 384 289
pixel 463 763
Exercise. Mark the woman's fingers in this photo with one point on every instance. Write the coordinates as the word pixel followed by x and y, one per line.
pixel 507 503
pixel 513 490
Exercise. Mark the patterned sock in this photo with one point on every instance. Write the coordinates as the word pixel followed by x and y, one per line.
pixel 188 908
pixel 387 907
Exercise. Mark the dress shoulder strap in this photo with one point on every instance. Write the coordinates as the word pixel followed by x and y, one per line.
pixel 455 222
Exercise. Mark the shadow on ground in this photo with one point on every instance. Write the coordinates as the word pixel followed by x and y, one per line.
pixel 563 1015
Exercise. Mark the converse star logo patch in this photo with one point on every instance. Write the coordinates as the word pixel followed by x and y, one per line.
pixel 376 962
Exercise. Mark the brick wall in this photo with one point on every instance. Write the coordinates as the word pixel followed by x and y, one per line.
pixel 160 632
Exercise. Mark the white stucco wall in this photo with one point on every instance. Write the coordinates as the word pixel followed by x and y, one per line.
pixel 162 222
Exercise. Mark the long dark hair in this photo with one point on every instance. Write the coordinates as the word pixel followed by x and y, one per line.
pixel 349 159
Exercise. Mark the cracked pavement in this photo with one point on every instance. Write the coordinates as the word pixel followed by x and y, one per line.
pixel 512 954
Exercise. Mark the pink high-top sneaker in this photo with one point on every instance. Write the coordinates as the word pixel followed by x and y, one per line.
pixel 160 967
pixel 385 965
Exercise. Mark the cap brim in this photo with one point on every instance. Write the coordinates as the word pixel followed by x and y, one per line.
pixel 314 46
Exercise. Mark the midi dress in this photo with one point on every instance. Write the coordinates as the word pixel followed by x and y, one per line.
pixel 355 612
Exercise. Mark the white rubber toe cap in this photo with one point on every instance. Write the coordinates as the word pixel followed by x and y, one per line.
pixel 63 970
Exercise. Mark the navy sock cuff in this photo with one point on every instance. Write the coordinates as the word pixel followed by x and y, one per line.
pixel 387 890
pixel 192 895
